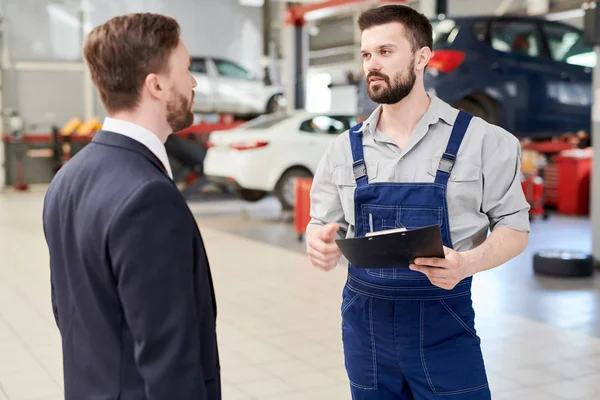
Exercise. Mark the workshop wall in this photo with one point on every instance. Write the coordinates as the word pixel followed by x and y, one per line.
pixel 42 37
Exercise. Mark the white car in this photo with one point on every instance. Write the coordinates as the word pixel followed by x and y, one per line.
pixel 226 87
pixel 265 156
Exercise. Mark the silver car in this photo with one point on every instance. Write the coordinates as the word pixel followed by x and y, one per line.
pixel 226 87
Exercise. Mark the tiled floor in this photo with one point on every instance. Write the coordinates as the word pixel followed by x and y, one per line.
pixel 565 303
pixel 279 319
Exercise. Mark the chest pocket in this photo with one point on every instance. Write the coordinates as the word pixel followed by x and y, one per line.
pixel 464 188
pixel 343 178
pixel 462 171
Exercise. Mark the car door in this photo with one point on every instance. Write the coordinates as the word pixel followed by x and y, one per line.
pixel 204 92
pixel 318 132
pixel 521 68
pixel 238 89
pixel 573 63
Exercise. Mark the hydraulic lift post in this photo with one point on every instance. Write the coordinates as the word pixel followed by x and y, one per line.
pixel 441 7
pixel 595 200
pixel 296 18
pixel 592 37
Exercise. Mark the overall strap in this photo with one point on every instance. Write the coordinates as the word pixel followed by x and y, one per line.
pixel 449 157
pixel 358 165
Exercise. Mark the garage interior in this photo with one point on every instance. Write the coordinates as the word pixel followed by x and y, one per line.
pixel 279 319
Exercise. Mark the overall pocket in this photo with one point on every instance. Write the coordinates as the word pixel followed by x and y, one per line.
pixel 377 218
pixel 391 217
pixel 420 217
pixel 450 348
pixel 358 340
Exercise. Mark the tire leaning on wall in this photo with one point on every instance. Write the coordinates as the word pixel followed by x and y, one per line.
pixel 565 263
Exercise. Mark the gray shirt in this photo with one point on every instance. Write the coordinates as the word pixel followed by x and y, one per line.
pixel 484 189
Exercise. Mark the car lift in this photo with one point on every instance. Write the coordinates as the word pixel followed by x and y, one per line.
pixel 195 180
pixel 296 17
pixel 61 143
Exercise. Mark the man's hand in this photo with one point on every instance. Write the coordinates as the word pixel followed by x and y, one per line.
pixel 447 272
pixel 322 250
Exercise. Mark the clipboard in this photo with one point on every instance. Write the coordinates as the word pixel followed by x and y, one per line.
pixel 397 249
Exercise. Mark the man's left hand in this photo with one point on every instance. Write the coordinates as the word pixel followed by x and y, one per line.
pixel 445 273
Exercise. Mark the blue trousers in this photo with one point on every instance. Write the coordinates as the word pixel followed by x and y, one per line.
pixel 412 349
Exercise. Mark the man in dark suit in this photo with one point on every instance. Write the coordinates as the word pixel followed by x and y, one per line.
pixel 132 291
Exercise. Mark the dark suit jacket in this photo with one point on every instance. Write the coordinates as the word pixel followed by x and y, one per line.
pixel 132 291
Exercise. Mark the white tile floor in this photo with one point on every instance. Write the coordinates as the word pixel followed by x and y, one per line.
pixel 279 325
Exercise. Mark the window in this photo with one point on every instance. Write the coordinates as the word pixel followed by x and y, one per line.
pixel 327 124
pixel 480 30
pixel 566 45
pixel 198 66
pixel 444 31
pixel 230 70
pixel 515 37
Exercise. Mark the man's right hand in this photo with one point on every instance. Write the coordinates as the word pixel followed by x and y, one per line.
pixel 322 250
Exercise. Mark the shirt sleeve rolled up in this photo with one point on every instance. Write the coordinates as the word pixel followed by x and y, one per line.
pixel 325 202
pixel 503 198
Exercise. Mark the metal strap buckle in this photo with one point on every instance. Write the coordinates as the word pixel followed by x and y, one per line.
pixel 446 163
pixel 360 169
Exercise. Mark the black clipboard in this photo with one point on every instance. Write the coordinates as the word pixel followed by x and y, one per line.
pixel 393 250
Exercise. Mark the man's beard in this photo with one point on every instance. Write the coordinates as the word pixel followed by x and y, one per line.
pixel 179 112
pixel 392 94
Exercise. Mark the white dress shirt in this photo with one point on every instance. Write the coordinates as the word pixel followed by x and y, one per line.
pixel 142 135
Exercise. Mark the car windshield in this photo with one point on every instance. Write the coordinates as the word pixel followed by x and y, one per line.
pixel 265 121
pixel 444 31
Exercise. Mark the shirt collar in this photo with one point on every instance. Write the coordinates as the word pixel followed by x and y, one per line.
pixel 142 135
pixel 437 110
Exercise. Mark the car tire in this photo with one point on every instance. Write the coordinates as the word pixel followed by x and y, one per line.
pixel 564 263
pixel 483 108
pixel 273 104
pixel 285 189
pixel 251 195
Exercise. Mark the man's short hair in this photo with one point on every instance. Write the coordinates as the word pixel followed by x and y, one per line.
pixel 123 51
pixel 417 25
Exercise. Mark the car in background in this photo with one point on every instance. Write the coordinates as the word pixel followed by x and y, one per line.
pixel 226 87
pixel 266 155
pixel 529 75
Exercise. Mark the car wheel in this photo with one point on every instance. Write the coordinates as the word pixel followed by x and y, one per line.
pixel 481 107
pixel 286 188
pixel 275 104
pixel 251 195
pixel 563 263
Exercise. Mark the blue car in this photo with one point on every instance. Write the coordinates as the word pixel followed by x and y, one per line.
pixel 529 75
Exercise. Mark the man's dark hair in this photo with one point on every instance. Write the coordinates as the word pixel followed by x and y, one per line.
pixel 417 25
pixel 123 51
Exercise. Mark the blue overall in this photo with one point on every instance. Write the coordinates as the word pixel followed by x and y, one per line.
pixel 403 337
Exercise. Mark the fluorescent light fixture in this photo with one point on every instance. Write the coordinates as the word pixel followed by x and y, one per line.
pixel 559 16
pixel 252 3
pixel 60 14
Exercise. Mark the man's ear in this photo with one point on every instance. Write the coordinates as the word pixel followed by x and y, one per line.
pixel 422 58
pixel 153 85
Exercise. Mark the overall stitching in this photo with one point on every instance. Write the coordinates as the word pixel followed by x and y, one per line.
pixel 373 352
pixel 460 321
pixel 422 315
pixel 420 298
pixel 395 289
pixel 373 349
pixel 433 389
pixel 349 303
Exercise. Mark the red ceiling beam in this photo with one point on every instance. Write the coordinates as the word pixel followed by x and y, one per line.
pixel 295 14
